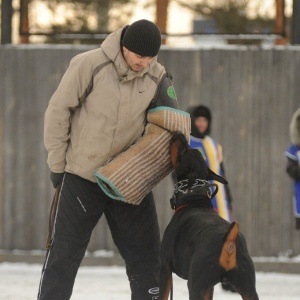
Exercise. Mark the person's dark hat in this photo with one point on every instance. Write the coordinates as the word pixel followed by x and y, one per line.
pixel 143 38
pixel 202 111
pixel 196 112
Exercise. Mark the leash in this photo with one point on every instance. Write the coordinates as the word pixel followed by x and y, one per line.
pixel 52 215
pixel 179 208
pixel 171 296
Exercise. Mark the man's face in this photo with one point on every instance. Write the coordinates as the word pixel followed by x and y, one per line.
pixel 201 123
pixel 136 62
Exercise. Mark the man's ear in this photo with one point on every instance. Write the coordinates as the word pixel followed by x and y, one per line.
pixel 213 176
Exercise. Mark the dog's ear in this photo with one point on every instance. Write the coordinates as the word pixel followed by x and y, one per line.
pixel 178 146
pixel 213 176
pixel 174 148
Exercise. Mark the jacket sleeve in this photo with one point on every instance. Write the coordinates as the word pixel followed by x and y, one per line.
pixel 66 99
pixel 293 169
pixel 165 94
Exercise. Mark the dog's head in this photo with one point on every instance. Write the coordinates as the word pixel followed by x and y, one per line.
pixel 189 163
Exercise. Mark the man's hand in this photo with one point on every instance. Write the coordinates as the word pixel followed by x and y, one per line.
pixel 56 178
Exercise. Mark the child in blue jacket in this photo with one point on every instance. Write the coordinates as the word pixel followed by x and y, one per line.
pixel 293 163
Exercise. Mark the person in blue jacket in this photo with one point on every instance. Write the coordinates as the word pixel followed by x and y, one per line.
pixel 211 150
pixel 293 163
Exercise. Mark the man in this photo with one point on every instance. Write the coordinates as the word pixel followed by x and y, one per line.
pixel 97 112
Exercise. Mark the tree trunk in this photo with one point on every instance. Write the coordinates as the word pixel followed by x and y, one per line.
pixel 6 21
pixel 280 22
pixel 280 19
pixel 162 14
pixel 24 22
pixel 103 18
pixel 295 38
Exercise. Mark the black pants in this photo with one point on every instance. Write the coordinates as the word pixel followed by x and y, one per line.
pixel 134 230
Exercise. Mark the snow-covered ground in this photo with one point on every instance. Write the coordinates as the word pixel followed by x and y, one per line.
pixel 19 281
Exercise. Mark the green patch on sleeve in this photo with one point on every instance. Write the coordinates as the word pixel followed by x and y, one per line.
pixel 171 92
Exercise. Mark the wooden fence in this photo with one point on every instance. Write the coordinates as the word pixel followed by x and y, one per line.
pixel 252 92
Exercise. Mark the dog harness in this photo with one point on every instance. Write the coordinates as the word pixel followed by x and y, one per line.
pixel 199 190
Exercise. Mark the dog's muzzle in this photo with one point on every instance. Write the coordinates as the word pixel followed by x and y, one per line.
pixel 200 187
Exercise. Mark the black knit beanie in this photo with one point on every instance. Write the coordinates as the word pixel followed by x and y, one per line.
pixel 200 111
pixel 143 38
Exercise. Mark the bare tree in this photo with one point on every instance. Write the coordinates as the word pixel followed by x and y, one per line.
pixel 24 22
pixel 79 17
pixel 280 23
pixel 6 21
pixel 230 15
pixel 280 19
pixel 295 36
pixel 162 14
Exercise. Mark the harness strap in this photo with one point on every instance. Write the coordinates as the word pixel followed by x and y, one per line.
pixel 171 296
pixel 179 208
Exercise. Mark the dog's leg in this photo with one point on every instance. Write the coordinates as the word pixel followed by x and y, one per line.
pixel 253 296
pixel 165 283
pixel 203 276
pixel 208 295
pixel 196 293
pixel 200 283
pixel 246 288
pixel 243 280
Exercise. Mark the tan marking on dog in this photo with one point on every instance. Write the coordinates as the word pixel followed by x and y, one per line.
pixel 247 297
pixel 228 254
pixel 208 295
pixel 166 294
pixel 174 152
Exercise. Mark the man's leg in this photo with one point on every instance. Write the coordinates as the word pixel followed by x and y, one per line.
pixel 79 210
pixel 136 234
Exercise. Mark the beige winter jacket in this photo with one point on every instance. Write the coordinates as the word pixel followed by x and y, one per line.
pixel 98 109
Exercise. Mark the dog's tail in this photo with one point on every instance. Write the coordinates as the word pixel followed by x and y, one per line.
pixel 228 254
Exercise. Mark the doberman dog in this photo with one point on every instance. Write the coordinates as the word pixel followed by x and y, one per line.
pixel 198 245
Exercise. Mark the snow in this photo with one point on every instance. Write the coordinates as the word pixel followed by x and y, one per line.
pixel 20 281
pixel 282 258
